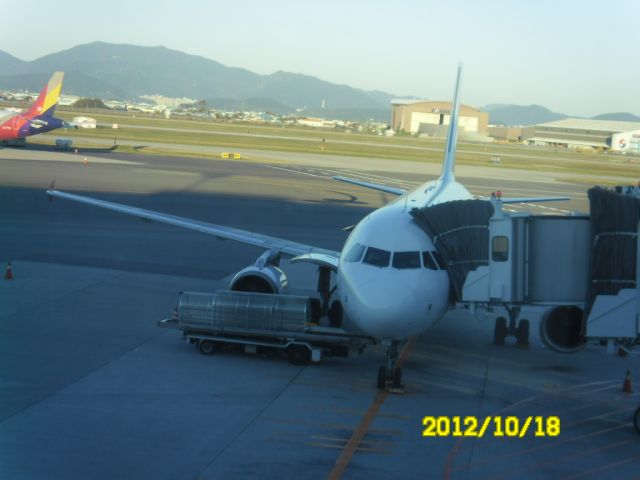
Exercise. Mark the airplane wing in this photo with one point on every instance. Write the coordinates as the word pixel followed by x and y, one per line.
pixel 224 233
pixel 400 191
pixel 374 186
pixel 534 199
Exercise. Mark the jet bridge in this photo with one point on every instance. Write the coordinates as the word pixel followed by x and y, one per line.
pixel 583 270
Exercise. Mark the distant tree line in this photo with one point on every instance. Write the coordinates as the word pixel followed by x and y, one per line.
pixel 89 103
pixel 199 106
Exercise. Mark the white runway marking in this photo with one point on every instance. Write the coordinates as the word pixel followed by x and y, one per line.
pixel 291 170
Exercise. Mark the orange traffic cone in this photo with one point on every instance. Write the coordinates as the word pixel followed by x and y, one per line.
pixel 626 386
pixel 8 273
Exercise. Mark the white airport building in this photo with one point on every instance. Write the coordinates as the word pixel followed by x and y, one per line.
pixel 585 133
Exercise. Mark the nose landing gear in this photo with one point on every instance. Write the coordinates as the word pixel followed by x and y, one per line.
pixel 390 375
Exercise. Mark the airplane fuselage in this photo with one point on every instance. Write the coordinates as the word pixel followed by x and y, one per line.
pixel 21 126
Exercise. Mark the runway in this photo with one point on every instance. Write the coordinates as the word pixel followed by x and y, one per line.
pixel 91 388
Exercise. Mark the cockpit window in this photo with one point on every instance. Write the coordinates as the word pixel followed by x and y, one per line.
pixel 377 257
pixel 428 261
pixel 439 260
pixel 355 254
pixel 406 260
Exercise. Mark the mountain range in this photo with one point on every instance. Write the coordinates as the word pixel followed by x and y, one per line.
pixel 125 72
pixel 501 114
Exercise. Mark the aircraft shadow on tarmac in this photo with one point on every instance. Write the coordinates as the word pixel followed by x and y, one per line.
pixel 113 149
pixel 68 233
pixel 350 200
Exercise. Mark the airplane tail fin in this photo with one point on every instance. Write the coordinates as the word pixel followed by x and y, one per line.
pixel 449 164
pixel 48 98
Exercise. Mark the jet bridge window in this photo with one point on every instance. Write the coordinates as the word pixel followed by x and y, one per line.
pixel 406 260
pixel 500 248
pixel 355 254
pixel 377 257
pixel 428 261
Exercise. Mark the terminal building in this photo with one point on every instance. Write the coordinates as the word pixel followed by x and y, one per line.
pixel 432 118
pixel 585 133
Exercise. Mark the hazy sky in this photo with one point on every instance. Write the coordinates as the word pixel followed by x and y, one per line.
pixel 574 57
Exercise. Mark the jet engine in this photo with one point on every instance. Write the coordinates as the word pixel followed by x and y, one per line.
pixel 561 329
pixel 264 276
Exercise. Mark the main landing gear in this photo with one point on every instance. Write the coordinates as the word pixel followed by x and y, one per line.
pixel 390 375
pixel 501 330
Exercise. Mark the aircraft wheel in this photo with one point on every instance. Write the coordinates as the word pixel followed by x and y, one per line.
pixel 335 314
pixel 397 377
pixel 207 347
pixel 298 354
pixel 382 378
pixel 316 310
pixel 500 331
pixel 636 419
pixel 522 333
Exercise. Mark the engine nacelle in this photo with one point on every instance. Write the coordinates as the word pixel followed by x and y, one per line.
pixel 266 279
pixel 561 329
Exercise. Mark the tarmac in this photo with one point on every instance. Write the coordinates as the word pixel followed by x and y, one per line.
pixel 91 388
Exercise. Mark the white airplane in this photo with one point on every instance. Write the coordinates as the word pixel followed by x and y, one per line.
pixel 391 283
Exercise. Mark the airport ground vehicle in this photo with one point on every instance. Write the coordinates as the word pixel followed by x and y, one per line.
pixel 64 143
pixel 261 323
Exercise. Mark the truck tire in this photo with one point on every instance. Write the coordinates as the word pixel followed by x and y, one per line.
pixel 207 347
pixel 299 354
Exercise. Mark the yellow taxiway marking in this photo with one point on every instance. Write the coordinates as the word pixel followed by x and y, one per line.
pixel 358 434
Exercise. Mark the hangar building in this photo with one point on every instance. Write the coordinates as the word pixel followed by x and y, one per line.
pixel 581 132
pixel 432 118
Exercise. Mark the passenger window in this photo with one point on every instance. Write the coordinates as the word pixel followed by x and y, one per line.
pixel 500 249
pixel 428 261
pixel 439 260
pixel 406 260
pixel 355 254
pixel 377 257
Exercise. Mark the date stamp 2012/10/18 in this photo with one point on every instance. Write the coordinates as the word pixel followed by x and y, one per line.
pixel 496 425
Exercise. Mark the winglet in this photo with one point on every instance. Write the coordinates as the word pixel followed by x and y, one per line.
pixel 449 164
pixel 48 98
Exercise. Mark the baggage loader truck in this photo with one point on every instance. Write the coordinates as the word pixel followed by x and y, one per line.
pixel 261 323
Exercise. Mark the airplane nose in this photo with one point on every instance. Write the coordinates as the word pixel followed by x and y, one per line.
pixel 387 311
